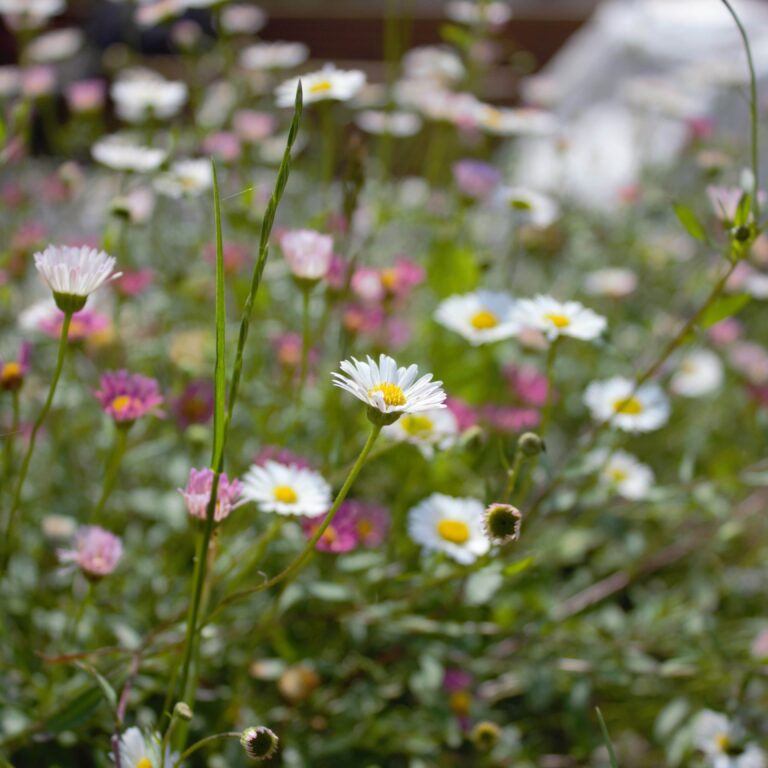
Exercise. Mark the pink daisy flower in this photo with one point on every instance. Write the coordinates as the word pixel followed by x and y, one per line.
pixel 198 493
pixel 96 552
pixel 127 396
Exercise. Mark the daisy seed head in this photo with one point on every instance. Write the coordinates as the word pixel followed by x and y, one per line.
pixel 502 523
pixel 259 742
pixel 485 735
pixel 530 444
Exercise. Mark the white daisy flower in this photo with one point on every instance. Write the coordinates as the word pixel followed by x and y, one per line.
pixel 28 14
pixel 274 55
pixel 143 751
pixel 615 282
pixel 186 178
pixel 534 208
pixel 699 373
pixel 242 19
pixel 616 400
pixel 467 12
pixel 518 121
pixel 74 273
pixel 287 489
pixel 480 317
pixel 723 742
pixel 398 124
pixel 327 83
pixel 124 153
pixel 146 95
pixel 432 63
pixel 628 477
pixel 436 428
pixel 557 319
pixel 455 526
pixel 386 388
pixel 55 46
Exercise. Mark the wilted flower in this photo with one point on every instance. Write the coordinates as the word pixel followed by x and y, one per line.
pixel 557 319
pixel 502 523
pixel 628 408
pixel 287 489
pixel 198 493
pixel 128 396
pixel 96 552
pixel 308 253
pixel 387 389
pixel 259 742
pixel 12 372
pixel 327 83
pixel 138 750
pixel 481 317
pixel 455 526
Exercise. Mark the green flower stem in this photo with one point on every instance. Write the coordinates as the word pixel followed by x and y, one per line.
pixel 257 553
pixel 207 740
pixel 309 549
pixel 305 336
pixel 11 436
pixel 77 615
pixel 328 165
pixel 546 416
pixel 113 466
pixel 8 538
pixel 513 473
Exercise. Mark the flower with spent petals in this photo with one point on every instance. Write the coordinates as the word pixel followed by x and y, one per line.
pixel 308 253
pixel 557 319
pixel 629 408
pixel 389 390
pixel 74 273
pixel 481 317
pixel 95 552
pixel 12 372
pixel 139 750
pixel 287 489
pixel 198 493
pixel 443 523
pixel 128 396
pixel 327 83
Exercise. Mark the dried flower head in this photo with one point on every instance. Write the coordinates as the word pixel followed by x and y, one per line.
pixel 502 523
pixel 259 742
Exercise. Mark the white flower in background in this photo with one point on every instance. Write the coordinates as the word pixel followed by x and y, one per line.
pixel 140 751
pixel 389 389
pixel 308 253
pixel 274 55
pixel 141 96
pixel 622 472
pixel 556 318
pixel 615 282
pixel 436 428
pixel 518 121
pixel 723 743
pixel 74 271
pixel 326 83
pixel 287 489
pixel 533 208
pixel 699 373
pixel 122 152
pixel 616 400
pixel 431 63
pixel 495 14
pixel 10 81
pixel 186 178
pixel 455 526
pixel 28 14
pixel 55 46
pixel 154 12
pixel 481 317
pixel 241 19
pixel 398 124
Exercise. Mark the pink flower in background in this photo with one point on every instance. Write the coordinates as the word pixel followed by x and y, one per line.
pixel 253 126
pixel 725 201
pixel 198 493
pixel 195 404
pixel 339 536
pixel 223 145
pixel 235 255
pixel 508 419
pixel 13 194
pixel 86 96
pixel 726 331
pixel 356 522
pixel 47 318
pixel 527 383
pixel 372 284
pixel 751 360
pixel 337 273
pixel 307 252
pixel 759 647
pixel 288 348
pixel 281 456
pixel 134 282
pixel 96 552
pixel 371 521
pixel 475 178
pixel 465 414
pixel 459 685
pixel 12 372
pixel 128 396
pixel 38 81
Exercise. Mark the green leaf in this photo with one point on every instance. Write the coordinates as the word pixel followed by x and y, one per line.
pixel 607 739
pixel 513 569
pixel 452 269
pixel 76 712
pixel 743 210
pixel 691 222
pixel 724 307
pixel 109 692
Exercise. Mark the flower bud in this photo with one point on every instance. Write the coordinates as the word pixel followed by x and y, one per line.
pixel 502 523
pixel 485 735
pixel 530 444
pixel 182 711
pixel 259 742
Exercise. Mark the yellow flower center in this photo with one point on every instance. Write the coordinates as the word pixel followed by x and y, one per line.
pixel 10 371
pixel 388 278
pixel 416 426
pixel 76 327
pixel 365 528
pixel 630 405
pixel 145 762
pixel 286 494
pixel 393 395
pixel 493 117
pixel 617 475
pixel 483 320
pixel 723 742
pixel 329 534
pixel 121 402
pixel 460 702
pixel 321 87
pixel 455 531
pixel 559 321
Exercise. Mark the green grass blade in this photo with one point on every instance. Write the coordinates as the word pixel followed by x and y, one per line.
pixel 607 739
pixel 220 375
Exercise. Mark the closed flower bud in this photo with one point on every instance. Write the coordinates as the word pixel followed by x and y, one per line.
pixel 530 444
pixel 485 735
pixel 182 711
pixel 502 523
pixel 259 742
